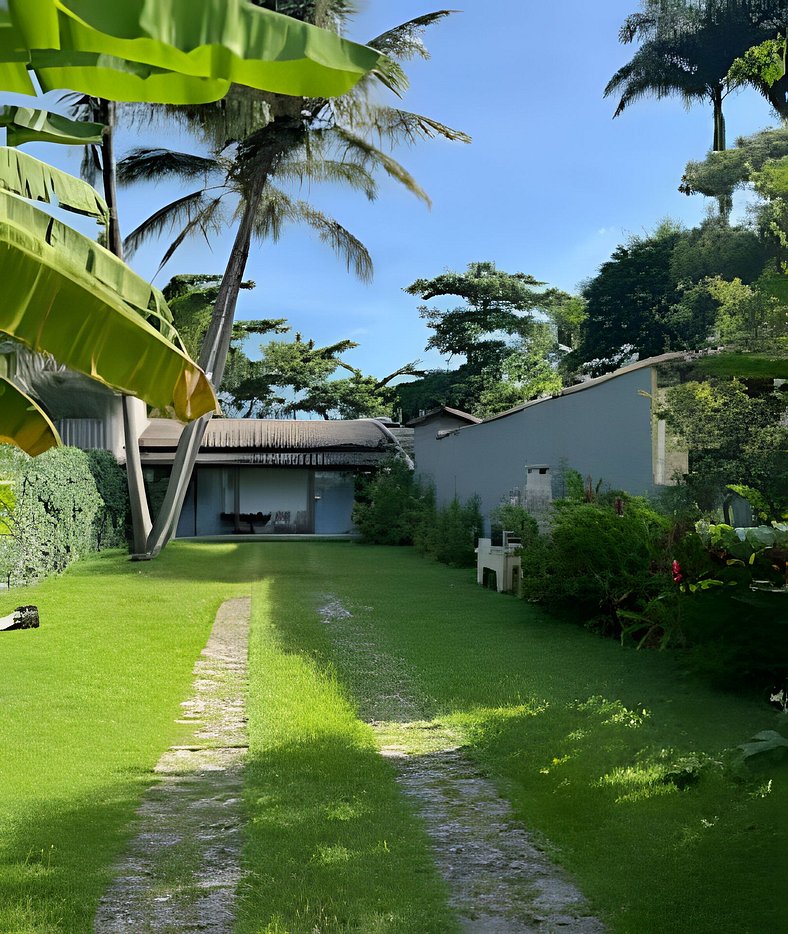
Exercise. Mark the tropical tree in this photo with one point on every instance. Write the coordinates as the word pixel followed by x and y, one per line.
pixel 506 333
pixel 688 48
pixel 257 140
pixel 145 52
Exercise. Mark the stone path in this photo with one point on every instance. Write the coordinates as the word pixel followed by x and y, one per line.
pixel 500 880
pixel 182 867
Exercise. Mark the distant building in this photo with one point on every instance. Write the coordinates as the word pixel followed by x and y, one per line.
pixel 270 476
pixel 606 428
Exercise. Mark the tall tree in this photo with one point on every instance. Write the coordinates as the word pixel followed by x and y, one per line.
pixel 506 333
pixel 267 133
pixel 688 48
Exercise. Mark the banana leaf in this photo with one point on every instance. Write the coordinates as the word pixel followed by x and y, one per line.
pixel 118 50
pixel 67 296
pixel 27 176
pixel 23 423
pixel 26 125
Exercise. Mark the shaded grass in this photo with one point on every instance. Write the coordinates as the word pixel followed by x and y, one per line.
pixel 87 706
pixel 619 758
pixel 331 845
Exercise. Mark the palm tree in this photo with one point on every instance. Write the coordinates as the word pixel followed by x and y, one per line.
pixel 257 138
pixel 688 49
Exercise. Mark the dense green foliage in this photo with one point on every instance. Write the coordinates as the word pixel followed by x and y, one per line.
pixel 112 519
pixel 677 289
pixel 390 504
pixel 56 507
pixel 598 560
pixel 509 333
pixel 735 432
pixel 393 508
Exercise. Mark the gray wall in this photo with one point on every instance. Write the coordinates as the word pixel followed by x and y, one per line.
pixel 604 431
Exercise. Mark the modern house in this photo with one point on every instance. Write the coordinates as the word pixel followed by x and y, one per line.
pixel 270 476
pixel 252 475
pixel 606 428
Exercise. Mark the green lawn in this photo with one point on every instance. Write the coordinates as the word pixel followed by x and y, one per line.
pixel 87 705
pixel 578 733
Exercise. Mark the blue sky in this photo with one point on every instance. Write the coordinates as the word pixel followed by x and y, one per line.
pixel 549 186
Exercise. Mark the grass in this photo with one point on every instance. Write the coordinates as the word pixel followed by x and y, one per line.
pixel 331 845
pixel 87 706
pixel 618 758
pixel 744 365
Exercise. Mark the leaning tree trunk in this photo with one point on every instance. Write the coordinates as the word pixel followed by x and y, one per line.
pixel 140 514
pixel 212 359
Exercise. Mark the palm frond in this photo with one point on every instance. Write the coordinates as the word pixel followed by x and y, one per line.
pixel 145 165
pixel 180 211
pixel 394 125
pixel 356 149
pixel 329 170
pixel 207 219
pixel 90 165
pixel 654 72
pixel 404 42
pixel 278 209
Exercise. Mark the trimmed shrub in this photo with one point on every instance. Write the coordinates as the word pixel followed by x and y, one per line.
pixel 57 503
pixel 112 520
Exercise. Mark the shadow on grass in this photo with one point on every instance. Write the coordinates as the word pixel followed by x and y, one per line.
pixel 664 841
pixel 62 848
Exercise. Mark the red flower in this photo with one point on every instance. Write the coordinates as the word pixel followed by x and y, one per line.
pixel 678 577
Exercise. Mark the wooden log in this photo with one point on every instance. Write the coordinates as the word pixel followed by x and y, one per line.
pixel 23 617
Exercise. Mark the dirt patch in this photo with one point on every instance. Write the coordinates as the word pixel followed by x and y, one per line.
pixel 500 880
pixel 182 866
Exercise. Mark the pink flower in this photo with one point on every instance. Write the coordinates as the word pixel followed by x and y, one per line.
pixel 678 577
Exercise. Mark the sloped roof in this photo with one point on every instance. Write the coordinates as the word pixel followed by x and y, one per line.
pixel 580 387
pixel 258 434
pixel 445 410
pixel 359 443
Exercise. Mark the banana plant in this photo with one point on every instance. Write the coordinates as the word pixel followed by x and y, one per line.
pixel 173 51
pixel 68 296
pixel 23 422
pixel 160 51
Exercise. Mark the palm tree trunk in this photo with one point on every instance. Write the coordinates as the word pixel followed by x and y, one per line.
pixel 212 359
pixel 140 514
pixel 725 201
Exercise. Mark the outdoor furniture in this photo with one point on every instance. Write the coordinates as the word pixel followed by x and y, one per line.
pixel 253 518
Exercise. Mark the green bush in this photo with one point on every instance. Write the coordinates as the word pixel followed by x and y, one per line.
pixel 53 521
pixel 389 505
pixel 112 520
pixel 600 559
pixel 510 518
pixel 451 534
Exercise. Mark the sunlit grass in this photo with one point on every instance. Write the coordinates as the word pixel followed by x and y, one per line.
pixel 620 759
pixel 87 706
pixel 331 845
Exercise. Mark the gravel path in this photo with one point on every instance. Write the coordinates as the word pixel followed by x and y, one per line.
pixel 500 881
pixel 182 866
